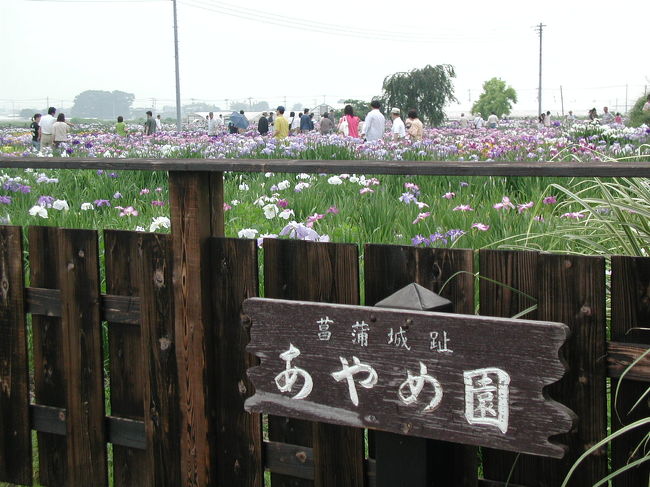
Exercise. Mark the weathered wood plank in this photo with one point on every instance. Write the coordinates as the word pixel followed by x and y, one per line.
pixel 15 433
pixel 126 367
pixel 434 168
pixel 119 431
pixel 506 360
pixel 289 460
pixel 389 268
pixel 50 385
pixel 571 290
pixel 191 218
pixel 82 349
pixel 239 434
pixel 621 355
pixel 117 309
pixel 507 288
pixel 630 309
pixel 327 273
pixel 160 395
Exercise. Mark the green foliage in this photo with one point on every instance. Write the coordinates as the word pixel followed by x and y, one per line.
pixel 102 104
pixel 427 90
pixel 29 112
pixel 637 115
pixel 496 98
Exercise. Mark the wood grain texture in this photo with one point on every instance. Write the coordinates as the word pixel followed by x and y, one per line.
pixel 571 290
pixel 191 219
pixel 239 434
pixel 621 355
pixel 50 385
pixel 389 268
pixel 126 367
pixel 119 431
pixel 160 394
pixel 82 350
pixel 15 432
pixel 433 168
pixel 507 288
pixel 630 309
pixel 327 273
pixel 117 309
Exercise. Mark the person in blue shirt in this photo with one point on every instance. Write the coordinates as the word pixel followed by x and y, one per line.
pixel 306 122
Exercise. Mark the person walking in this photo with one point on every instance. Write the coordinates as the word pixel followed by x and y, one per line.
pixel 120 127
pixel 281 124
pixel 398 130
pixel 414 126
pixel 263 124
pixel 326 124
pixel 149 124
pixel 60 130
pixel 478 121
pixel 607 118
pixel 305 122
pixel 375 123
pixel 46 128
pixel 158 123
pixel 349 123
pixel 463 122
pixel 213 125
pixel 646 106
pixel 492 121
pixel 36 131
pixel 294 123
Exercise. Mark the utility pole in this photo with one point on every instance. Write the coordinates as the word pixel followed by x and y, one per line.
pixel 178 75
pixel 625 99
pixel 540 30
pixel 250 102
pixel 562 100
pixel 469 96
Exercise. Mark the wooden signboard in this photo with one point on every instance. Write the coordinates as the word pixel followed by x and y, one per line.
pixel 465 379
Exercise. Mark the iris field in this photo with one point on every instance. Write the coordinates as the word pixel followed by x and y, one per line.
pixel 473 212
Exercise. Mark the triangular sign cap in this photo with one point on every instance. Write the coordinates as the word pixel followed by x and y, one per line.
pixel 415 297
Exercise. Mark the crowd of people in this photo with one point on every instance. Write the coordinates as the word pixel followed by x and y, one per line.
pixel 51 130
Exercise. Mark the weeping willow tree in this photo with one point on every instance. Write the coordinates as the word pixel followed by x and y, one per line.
pixel 427 90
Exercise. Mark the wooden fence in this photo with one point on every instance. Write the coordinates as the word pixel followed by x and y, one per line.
pixel 167 392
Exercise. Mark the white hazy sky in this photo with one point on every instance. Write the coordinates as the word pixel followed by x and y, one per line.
pixel 56 49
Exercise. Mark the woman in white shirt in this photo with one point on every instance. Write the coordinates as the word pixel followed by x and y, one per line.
pixel 60 130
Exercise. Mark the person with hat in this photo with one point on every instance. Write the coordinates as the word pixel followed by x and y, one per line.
pixel 263 124
pixel 398 130
pixel 281 124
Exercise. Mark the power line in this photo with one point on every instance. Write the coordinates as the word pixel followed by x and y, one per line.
pixel 313 26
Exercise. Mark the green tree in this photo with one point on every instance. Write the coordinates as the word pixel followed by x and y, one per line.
pixel 496 98
pixel 637 116
pixel 427 90
pixel 28 112
pixel 102 104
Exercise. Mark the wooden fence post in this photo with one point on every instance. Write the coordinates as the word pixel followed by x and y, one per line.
pixel 326 272
pixel 50 386
pixel 239 434
pixel 82 350
pixel 160 395
pixel 389 268
pixel 127 379
pixel 630 309
pixel 196 213
pixel 571 290
pixel 15 431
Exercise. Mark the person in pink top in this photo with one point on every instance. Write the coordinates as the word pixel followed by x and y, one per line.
pixel 349 123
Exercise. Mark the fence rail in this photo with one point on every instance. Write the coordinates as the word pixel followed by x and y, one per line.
pixel 427 168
